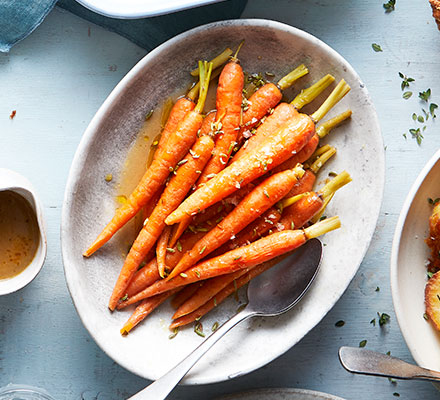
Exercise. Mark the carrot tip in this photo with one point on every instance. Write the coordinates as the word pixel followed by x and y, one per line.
pixel 126 329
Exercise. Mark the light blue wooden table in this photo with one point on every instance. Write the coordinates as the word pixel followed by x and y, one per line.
pixel 56 80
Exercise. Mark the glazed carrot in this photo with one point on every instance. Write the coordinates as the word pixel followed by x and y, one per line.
pixel 144 309
pixel 276 149
pixel 180 108
pixel 244 257
pixel 174 193
pixel 186 293
pixel 177 146
pixel 161 250
pixel 206 129
pixel 240 279
pixel 299 213
pixel 253 205
pixel 281 115
pixel 268 96
pixel 228 105
pixel 150 274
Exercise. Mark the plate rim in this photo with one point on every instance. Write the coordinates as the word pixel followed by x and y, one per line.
pixel 398 308
pixel 87 138
pixel 323 395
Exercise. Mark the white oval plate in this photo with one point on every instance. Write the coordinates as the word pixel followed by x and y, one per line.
pixel 408 268
pixel 140 8
pixel 280 394
pixel 89 202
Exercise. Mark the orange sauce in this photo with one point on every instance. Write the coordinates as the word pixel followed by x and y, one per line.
pixel 19 234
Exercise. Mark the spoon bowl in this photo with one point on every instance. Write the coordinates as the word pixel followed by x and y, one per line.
pixel 13 181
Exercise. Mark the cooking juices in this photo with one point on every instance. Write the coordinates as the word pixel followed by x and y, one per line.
pixel 19 234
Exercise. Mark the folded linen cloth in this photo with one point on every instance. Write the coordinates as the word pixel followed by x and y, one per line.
pixel 19 18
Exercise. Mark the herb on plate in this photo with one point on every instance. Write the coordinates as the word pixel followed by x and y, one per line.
pixel 376 47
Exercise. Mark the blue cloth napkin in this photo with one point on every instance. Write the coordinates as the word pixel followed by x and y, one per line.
pixel 18 18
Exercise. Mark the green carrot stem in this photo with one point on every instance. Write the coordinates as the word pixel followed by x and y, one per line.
pixel 311 93
pixel 336 183
pixel 318 216
pixel 205 70
pixel 216 61
pixel 290 200
pixel 322 227
pixel 292 77
pixel 321 160
pixel 338 93
pixel 194 91
pixel 319 151
pixel 234 57
pixel 325 128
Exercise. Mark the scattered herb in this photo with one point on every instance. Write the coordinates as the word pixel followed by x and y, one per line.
pixel 323 218
pixel 237 258
pixel 198 328
pixel 377 289
pixel 183 275
pixel 202 250
pixel 425 316
pixel 332 174
pixel 373 322
pixel 215 302
pixel 362 343
pixel 425 95
pixel 265 193
pixel 292 225
pixel 395 394
pixel 108 177
pixel 405 81
pixel 432 108
pixel 406 95
pixel 171 250
pixel 174 334
pixel 416 134
pixel 433 202
pixel 179 246
pixel 389 6
pixel 383 319
pixel 149 114
pixel 392 381
pixel 256 79
pixel 421 119
pixel 340 323
pixel 125 297
pixel 214 326
pixel 197 273
pixel 430 274
pixel 376 47
pixel 270 74
pixel 388 353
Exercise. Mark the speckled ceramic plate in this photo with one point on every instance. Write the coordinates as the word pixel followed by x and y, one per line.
pixel 408 267
pixel 280 394
pixel 89 202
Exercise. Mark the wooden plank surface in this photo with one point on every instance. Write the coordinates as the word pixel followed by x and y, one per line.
pixel 57 78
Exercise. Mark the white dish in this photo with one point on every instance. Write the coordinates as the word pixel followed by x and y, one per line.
pixel 89 202
pixel 13 181
pixel 140 8
pixel 408 267
pixel 280 394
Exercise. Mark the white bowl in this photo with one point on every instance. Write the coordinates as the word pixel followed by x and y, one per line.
pixel 10 180
pixel 89 201
pixel 131 9
pixel 408 267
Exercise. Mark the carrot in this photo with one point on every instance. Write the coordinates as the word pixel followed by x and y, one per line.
pixel 268 96
pixel 181 107
pixel 254 204
pixel 186 293
pixel 281 115
pixel 244 257
pixel 161 250
pixel 206 129
pixel 150 274
pixel 145 308
pixel 276 149
pixel 177 146
pixel 228 104
pixel 174 193
pixel 302 211
pixel 214 297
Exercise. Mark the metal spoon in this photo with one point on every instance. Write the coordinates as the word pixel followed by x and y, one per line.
pixel 367 362
pixel 270 294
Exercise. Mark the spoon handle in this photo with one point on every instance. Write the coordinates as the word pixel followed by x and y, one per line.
pixel 361 361
pixel 160 389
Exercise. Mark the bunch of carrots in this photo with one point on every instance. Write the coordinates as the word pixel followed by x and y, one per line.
pixel 231 189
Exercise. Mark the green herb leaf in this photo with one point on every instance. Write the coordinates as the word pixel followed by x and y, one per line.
pixel 174 334
pixel 425 95
pixel 389 6
pixel 362 343
pixel 421 119
pixel 395 394
pixel 416 134
pixel 383 319
pixel 340 323
pixel 149 114
pixel 377 289
pixel 214 326
pixel 373 322
pixel 432 108
pixel 179 246
pixel 198 328
pixel 405 81
pixel 376 47
pixel 407 95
